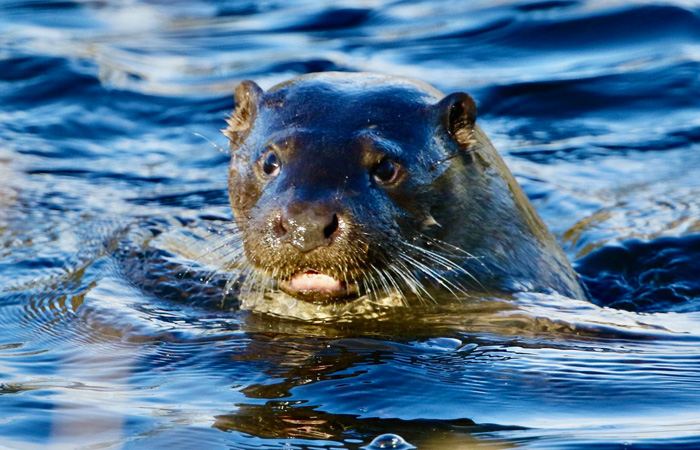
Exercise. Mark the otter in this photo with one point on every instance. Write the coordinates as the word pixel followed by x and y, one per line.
pixel 360 187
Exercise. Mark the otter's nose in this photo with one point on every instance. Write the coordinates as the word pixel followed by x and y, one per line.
pixel 307 228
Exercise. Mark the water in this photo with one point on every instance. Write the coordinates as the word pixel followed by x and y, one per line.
pixel 107 178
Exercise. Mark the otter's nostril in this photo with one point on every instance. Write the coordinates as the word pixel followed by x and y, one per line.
pixel 280 227
pixel 331 228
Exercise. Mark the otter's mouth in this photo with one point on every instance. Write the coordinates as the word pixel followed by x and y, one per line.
pixel 312 285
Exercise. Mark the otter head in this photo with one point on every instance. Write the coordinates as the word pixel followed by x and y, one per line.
pixel 333 178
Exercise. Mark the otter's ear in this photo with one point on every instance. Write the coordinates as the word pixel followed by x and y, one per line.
pixel 458 115
pixel 247 97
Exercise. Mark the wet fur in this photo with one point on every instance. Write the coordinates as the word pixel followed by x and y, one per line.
pixel 457 223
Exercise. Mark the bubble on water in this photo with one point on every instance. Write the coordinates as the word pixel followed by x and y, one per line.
pixel 389 441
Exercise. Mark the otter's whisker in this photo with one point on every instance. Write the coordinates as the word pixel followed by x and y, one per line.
pixel 441 280
pixel 361 283
pixel 232 239
pixel 227 259
pixel 375 290
pixel 397 288
pixel 411 281
pixel 382 279
pixel 448 264
pixel 234 244
pixel 467 256
pixel 239 277
pixel 437 258
pixel 395 284
pixel 228 152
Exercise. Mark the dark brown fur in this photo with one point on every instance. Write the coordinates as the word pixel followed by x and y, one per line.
pixel 455 217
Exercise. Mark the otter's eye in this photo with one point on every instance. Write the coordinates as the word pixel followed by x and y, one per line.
pixel 385 171
pixel 271 164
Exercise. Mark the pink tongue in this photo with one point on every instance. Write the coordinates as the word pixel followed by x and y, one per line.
pixel 315 282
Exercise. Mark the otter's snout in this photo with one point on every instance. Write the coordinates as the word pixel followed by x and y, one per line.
pixel 308 227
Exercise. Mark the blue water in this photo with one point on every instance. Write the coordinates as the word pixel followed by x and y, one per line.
pixel 114 330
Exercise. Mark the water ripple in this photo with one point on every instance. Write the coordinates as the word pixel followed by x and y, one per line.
pixel 117 332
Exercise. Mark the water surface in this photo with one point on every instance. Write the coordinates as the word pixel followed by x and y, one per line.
pixel 109 119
